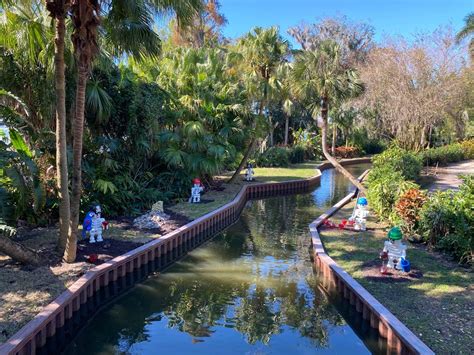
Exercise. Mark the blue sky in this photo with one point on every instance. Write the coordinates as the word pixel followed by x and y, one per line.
pixel 391 17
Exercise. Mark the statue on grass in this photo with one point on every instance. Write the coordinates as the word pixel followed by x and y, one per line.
pixel 361 212
pixel 249 173
pixel 394 252
pixel 94 224
pixel 196 191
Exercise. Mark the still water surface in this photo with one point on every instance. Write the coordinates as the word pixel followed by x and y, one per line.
pixel 250 290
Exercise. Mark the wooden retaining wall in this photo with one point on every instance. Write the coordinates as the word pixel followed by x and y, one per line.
pixel 400 340
pixel 57 323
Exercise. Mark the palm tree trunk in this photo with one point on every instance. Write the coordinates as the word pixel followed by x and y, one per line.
pixel 250 146
pixel 78 130
pixel 332 160
pixel 61 145
pixel 287 123
pixel 17 252
pixel 243 161
pixel 334 137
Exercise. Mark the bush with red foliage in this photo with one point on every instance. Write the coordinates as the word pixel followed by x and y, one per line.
pixel 347 152
pixel 408 208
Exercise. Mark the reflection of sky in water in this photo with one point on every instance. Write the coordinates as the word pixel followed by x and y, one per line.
pixel 4 134
pixel 251 290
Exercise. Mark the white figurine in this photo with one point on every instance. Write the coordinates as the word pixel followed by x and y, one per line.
pixel 360 214
pixel 395 249
pixel 196 191
pixel 249 173
pixel 94 224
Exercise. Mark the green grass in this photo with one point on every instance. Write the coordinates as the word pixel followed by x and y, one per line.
pixel 220 198
pixel 437 307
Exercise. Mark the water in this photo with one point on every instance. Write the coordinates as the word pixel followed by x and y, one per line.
pixel 251 290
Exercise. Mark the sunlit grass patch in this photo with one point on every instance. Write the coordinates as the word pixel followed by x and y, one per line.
pixel 215 199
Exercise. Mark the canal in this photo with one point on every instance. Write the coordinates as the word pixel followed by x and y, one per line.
pixel 249 290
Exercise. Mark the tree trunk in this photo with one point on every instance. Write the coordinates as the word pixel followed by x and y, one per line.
pixel 251 145
pixel 17 252
pixel 78 130
pixel 287 124
pixel 243 161
pixel 61 145
pixel 332 160
pixel 334 137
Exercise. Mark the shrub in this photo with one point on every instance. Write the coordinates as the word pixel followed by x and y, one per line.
pixel 408 209
pixel 398 159
pixel 447 221
pixel 386 186
pixel 366 145
pixel 347 152
pixel 274 157
pixel 468 149
pixel 297 154
pixel 443 155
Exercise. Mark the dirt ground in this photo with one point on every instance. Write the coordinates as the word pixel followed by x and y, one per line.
pixel 24 290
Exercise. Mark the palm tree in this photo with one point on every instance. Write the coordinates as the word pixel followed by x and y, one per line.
pixel 285 95
pixel 262 51
pixel 58 10
pixel 128 28
pixel 320 79
pixel 467 31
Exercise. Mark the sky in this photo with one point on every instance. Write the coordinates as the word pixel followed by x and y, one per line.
pixel 388 17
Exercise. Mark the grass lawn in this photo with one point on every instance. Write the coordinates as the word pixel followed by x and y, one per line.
pixel 437 304
pixel 217 199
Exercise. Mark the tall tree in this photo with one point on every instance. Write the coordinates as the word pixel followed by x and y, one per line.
pixel 415 87
pixel 205 29
pixel 467 31
pixel 285 95
pixel 354 40
pixel 262 51
pixel 58 10
pixel 128 30
pixel 320 79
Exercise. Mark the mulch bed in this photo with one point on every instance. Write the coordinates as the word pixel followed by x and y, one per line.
pixel 106 250
pixel 371 271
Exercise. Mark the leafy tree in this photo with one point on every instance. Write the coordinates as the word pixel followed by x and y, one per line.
pixel 319 75
pixel 205 29
pixel 20 190
pixel 262 50
pixel 209 105
pixel 128 25
pixel 467 32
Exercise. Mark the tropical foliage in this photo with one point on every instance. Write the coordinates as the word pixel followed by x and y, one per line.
pixel 104 108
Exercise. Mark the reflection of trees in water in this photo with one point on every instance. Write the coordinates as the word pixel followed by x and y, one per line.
pixel 256 311
pixel 255 317
pixel 198 308
pixel 277 227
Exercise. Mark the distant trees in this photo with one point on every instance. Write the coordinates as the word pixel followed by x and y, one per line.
pixel 319 79
pixel 414 88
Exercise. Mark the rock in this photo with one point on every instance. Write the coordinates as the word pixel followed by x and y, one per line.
pixel 151 220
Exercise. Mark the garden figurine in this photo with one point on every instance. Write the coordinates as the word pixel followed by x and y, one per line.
pixel 196 191
pixel 395 249
pixel 360 214
pixel 94 224
pixel 249 172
